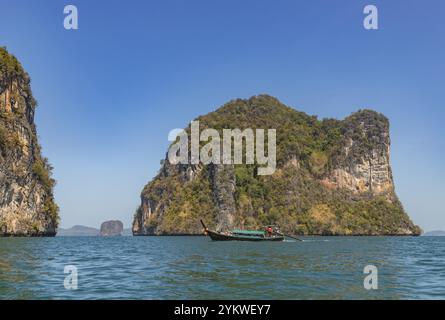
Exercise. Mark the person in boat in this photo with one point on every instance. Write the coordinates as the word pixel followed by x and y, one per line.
pixel 269 231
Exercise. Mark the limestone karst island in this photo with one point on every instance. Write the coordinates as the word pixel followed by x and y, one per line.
pixel 27 206
pixel 333 177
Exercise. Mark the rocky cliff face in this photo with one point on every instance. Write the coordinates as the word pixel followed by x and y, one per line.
pixel 111 228
pixel 27 206
pixel 363 163
pixel 333 178
pixel 223 188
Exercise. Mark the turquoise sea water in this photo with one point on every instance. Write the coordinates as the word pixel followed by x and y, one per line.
pixel 197 268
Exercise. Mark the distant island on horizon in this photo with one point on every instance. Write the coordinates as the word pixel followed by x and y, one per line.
pixel 81 231
pixel 434 233
pixel 85 231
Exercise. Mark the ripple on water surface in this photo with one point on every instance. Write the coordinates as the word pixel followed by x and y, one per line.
pixel 197 268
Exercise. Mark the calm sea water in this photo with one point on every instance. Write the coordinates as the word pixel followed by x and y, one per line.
pixel 197 268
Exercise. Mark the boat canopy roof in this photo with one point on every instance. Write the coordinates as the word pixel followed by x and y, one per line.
pixel 248 232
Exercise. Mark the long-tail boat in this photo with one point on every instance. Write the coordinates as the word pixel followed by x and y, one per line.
pixel 270 233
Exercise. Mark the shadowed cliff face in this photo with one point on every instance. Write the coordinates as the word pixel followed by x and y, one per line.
pixel 111 228
pixel 333 178
pixel 362 164
pixel 27 205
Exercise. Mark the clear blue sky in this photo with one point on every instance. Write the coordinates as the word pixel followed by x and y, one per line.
pixel 110 92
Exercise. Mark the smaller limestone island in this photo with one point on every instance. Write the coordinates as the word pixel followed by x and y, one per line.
pixel 27 206
pixel 111 228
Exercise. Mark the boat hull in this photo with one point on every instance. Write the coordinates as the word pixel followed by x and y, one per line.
pixel 216 236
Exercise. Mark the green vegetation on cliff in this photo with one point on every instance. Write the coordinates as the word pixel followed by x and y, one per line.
pixel 26 182
pixel 12 71
pixel 333 177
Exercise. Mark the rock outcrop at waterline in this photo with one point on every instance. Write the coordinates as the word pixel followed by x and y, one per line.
pixel 111 228
pixel 27 206
pixel 333 177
